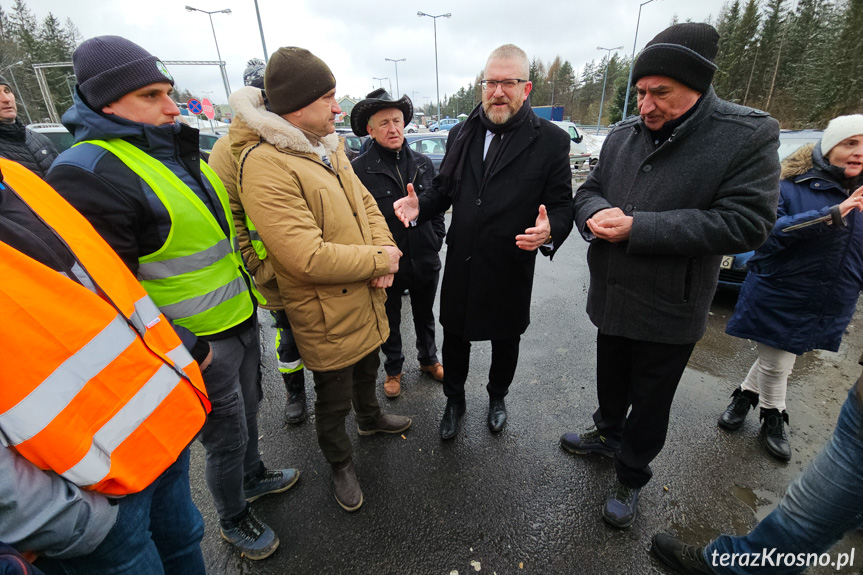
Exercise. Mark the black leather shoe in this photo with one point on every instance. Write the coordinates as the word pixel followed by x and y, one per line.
pixel 496 414
pixel 681 557
pixel 735 414
pixel 773 433
pixel 449 423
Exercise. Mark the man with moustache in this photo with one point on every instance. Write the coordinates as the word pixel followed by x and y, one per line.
pixel 690 179
pixel 386 170
pixel 506 175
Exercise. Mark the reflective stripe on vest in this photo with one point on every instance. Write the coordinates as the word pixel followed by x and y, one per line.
pixel 197 277
pixel 255 238
pixel 96 384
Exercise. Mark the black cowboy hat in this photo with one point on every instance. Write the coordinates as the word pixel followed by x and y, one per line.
pixel 374 102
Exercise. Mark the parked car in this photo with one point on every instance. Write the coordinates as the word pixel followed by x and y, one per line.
pixel 579 155
pixel 432 145
pixel 433 126
pixel 447 123
pixel 412 128
pixel 733 269
pixel 206 141
pixel 353 143
pixel 57 133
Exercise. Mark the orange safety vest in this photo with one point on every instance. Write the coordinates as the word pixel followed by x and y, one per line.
pixel 96 385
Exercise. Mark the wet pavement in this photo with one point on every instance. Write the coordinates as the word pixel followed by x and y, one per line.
pixel 514 502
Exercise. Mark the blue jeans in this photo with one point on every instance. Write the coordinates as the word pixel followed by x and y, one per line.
pixel 158 532
pixel 230 436
pixel 820 506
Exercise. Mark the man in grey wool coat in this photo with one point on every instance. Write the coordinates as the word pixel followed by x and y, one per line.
pixel 691 178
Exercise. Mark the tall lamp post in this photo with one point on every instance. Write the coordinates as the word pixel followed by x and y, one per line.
pixel 632 62
pixel 17 89
pixel 218 53
pixel 437 78
pixel 380 81
pixel 604 80
pixel 396 63
pixel 261 28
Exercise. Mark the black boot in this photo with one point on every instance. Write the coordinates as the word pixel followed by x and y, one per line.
pixel 773 433
pixel 741 402
pixel 295 402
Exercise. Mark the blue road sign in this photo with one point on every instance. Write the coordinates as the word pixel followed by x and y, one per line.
pixel 195 106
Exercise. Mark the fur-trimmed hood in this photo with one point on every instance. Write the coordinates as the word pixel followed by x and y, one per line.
pixel 254 123
pixel 798 162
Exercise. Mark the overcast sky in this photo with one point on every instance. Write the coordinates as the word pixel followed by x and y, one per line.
pixel 355 37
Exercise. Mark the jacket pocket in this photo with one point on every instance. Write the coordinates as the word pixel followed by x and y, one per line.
pixel 346 309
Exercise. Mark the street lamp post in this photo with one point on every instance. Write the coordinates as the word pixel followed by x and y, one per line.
pixel 436 76
pixel 604 80
pixel 17 89
pixel 218 53
pixel 380 81
pixel 261 28
pixel 396 63
pixel 632 62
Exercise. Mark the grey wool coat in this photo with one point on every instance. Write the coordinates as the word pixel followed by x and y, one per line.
pixel 711 189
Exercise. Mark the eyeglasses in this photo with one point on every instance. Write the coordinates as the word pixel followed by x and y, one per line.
pixel 491 85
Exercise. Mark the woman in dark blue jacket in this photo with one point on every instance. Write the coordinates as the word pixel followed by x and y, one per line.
pixel 804 281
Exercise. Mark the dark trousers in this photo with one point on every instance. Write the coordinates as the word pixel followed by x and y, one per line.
pixel 422 302
pixel 642 375
pixel 456 355
pixel 335 392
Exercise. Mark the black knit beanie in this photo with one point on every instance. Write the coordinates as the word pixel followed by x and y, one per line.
pixel 109 67
pixel 684 52
pixel 294 79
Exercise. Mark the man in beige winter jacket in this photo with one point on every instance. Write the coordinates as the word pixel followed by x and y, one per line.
pixel 331 248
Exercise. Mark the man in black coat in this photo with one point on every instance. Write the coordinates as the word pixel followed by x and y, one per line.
pixel 692 178
pixel 385 170
pixel 30 149
pixel 506 175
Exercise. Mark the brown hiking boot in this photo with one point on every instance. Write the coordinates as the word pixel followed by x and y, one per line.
pixel 393 385
pixel 346 488
pixel 385 424
pixel 435 370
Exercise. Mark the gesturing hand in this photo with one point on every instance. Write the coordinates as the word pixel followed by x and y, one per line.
pixel 854 202
pixel 408 208
pixel 536 236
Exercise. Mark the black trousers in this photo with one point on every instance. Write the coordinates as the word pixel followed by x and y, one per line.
pixel 335 393
pixel 456 356
pixel 641 375
pixel 422 304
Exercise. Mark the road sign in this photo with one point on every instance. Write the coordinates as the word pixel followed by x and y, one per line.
pixel 194 106
pixel 209 110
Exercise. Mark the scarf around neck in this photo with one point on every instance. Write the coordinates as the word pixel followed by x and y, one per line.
pixel 452 169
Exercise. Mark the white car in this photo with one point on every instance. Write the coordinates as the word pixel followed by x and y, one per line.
pixel 580 157
pixel 59 135
pixel 412 128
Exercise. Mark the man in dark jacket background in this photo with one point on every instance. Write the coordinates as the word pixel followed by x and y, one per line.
pixel 506 175
pixel 386 170
pixel 33 151
pixel 692 178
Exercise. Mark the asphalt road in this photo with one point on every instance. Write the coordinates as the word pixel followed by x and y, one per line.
pixel 515 502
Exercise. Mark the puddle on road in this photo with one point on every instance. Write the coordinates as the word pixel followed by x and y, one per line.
pixel 760 501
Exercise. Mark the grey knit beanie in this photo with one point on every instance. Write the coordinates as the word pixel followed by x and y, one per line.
pixel 109 67
pixel 295 78
pixel 684 52
pixel 253 75
pixel 4 82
